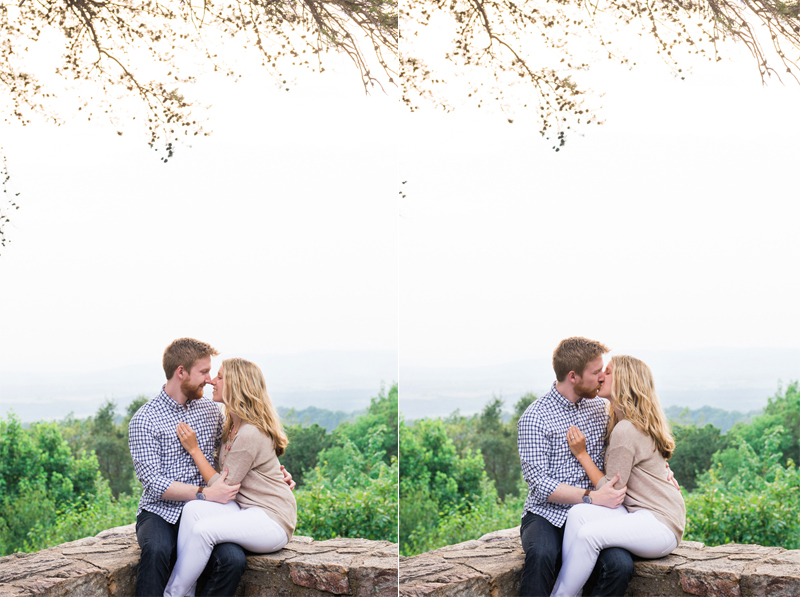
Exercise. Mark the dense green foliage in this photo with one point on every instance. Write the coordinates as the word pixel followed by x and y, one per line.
pixel 49 494
pixel 694 450
pixel 311 445
pixel 751 492
pixel 740 486
pixel 350 489
pixel 358 500
pixel 756 502
pixel 60 481
pixel 449 474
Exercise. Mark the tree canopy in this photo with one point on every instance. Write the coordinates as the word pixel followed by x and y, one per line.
pixel 134 63
pixel 512 54
pixel 153 51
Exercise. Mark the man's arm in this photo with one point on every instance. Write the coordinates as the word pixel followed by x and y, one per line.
pixel 219 491
pixel 146 454
pixel 533 446
pixel 607 496
pixel 534 458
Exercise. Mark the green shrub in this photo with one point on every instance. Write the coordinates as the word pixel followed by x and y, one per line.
pixel 758 503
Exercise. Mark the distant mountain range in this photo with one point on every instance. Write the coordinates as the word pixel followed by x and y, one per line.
pixel 725 378
pixel 707 415
pixel 339 381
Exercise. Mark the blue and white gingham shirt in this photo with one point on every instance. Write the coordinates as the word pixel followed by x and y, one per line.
pixel 158 456
pixel 544 452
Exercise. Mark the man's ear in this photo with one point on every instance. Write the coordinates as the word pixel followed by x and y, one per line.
pixel 572 377
pixel 181 372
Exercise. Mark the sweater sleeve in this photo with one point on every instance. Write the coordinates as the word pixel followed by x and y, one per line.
pixel 621 456
pixel 241 456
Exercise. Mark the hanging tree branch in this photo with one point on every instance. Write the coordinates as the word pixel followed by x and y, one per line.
pixel 512 53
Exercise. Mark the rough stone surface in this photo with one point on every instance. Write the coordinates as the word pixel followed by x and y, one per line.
pixel 492 565
pixel 106 566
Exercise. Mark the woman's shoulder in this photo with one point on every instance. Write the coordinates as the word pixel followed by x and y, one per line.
pixel 627 431
pixel 253 434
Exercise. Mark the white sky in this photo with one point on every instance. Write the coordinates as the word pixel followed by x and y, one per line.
pixel 276 234
pixel 673 226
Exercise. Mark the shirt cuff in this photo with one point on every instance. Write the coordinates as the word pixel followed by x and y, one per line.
pixel 213 479
pixel 158 485
pixel 544 488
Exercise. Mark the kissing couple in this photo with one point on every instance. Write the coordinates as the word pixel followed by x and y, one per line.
pixel 212 486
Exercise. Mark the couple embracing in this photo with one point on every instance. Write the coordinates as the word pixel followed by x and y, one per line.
pixel 593 451
pixel 212 485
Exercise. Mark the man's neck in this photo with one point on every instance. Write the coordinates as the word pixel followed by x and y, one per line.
pixel 565 389
pixel 173 390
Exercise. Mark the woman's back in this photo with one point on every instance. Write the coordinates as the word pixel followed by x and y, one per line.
pixel 252 462
pixel 632 454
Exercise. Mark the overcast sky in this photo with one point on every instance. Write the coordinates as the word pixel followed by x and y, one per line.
pixel 673 226
pixel 276 234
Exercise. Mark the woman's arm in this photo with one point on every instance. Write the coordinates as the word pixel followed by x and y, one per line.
pixel 189 443
pixel 620 453
pixel 577 445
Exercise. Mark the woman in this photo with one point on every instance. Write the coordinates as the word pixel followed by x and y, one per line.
pixel 264 514
pixel 651 521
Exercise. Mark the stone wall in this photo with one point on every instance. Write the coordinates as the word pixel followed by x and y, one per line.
pixel 106 566
pixel 492 565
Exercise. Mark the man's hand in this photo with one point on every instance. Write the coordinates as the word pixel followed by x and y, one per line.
pixel 671 478
pixel 220 492
pixel 287 478
pixel 608 496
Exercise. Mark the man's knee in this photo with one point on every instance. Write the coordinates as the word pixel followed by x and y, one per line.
pixel 617 562
pixel 229 557
pixel 156 544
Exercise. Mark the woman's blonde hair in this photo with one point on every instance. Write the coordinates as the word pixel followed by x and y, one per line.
pixel 633 393
pixel 245 394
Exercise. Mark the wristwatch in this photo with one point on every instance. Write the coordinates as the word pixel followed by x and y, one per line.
pixel 586 498
pixel 200 495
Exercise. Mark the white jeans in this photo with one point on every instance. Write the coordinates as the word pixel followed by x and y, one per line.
pixel 592 528
pixel 204 524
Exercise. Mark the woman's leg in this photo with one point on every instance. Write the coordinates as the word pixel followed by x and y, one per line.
pixel 207 524
pixel 639 532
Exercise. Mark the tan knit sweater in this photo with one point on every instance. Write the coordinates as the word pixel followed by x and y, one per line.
pixel 252 462
pixel 632 454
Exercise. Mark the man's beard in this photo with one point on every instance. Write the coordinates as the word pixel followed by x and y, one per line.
pixel 583 391
pixel 192 392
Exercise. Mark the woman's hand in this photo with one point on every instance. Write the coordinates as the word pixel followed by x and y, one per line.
pixel 187 437
pixel 576 441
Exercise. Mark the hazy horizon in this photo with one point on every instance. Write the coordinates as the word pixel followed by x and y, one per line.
pixel 733 379
pixel 335 380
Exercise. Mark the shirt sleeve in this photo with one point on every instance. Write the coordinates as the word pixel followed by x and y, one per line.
pixel 145 450
pixel 621 458
pixel 534 456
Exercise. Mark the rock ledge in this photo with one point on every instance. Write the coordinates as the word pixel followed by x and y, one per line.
pixel 492 565
pixel 106 566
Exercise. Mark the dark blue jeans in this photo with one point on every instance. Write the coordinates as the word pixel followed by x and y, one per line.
pixel 541 541
pixel 158 540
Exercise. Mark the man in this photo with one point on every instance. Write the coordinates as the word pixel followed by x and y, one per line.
pixel 170 477
pixel 556 480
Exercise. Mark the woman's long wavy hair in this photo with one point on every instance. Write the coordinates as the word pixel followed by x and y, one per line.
pixel 245 393
pixel 633 393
